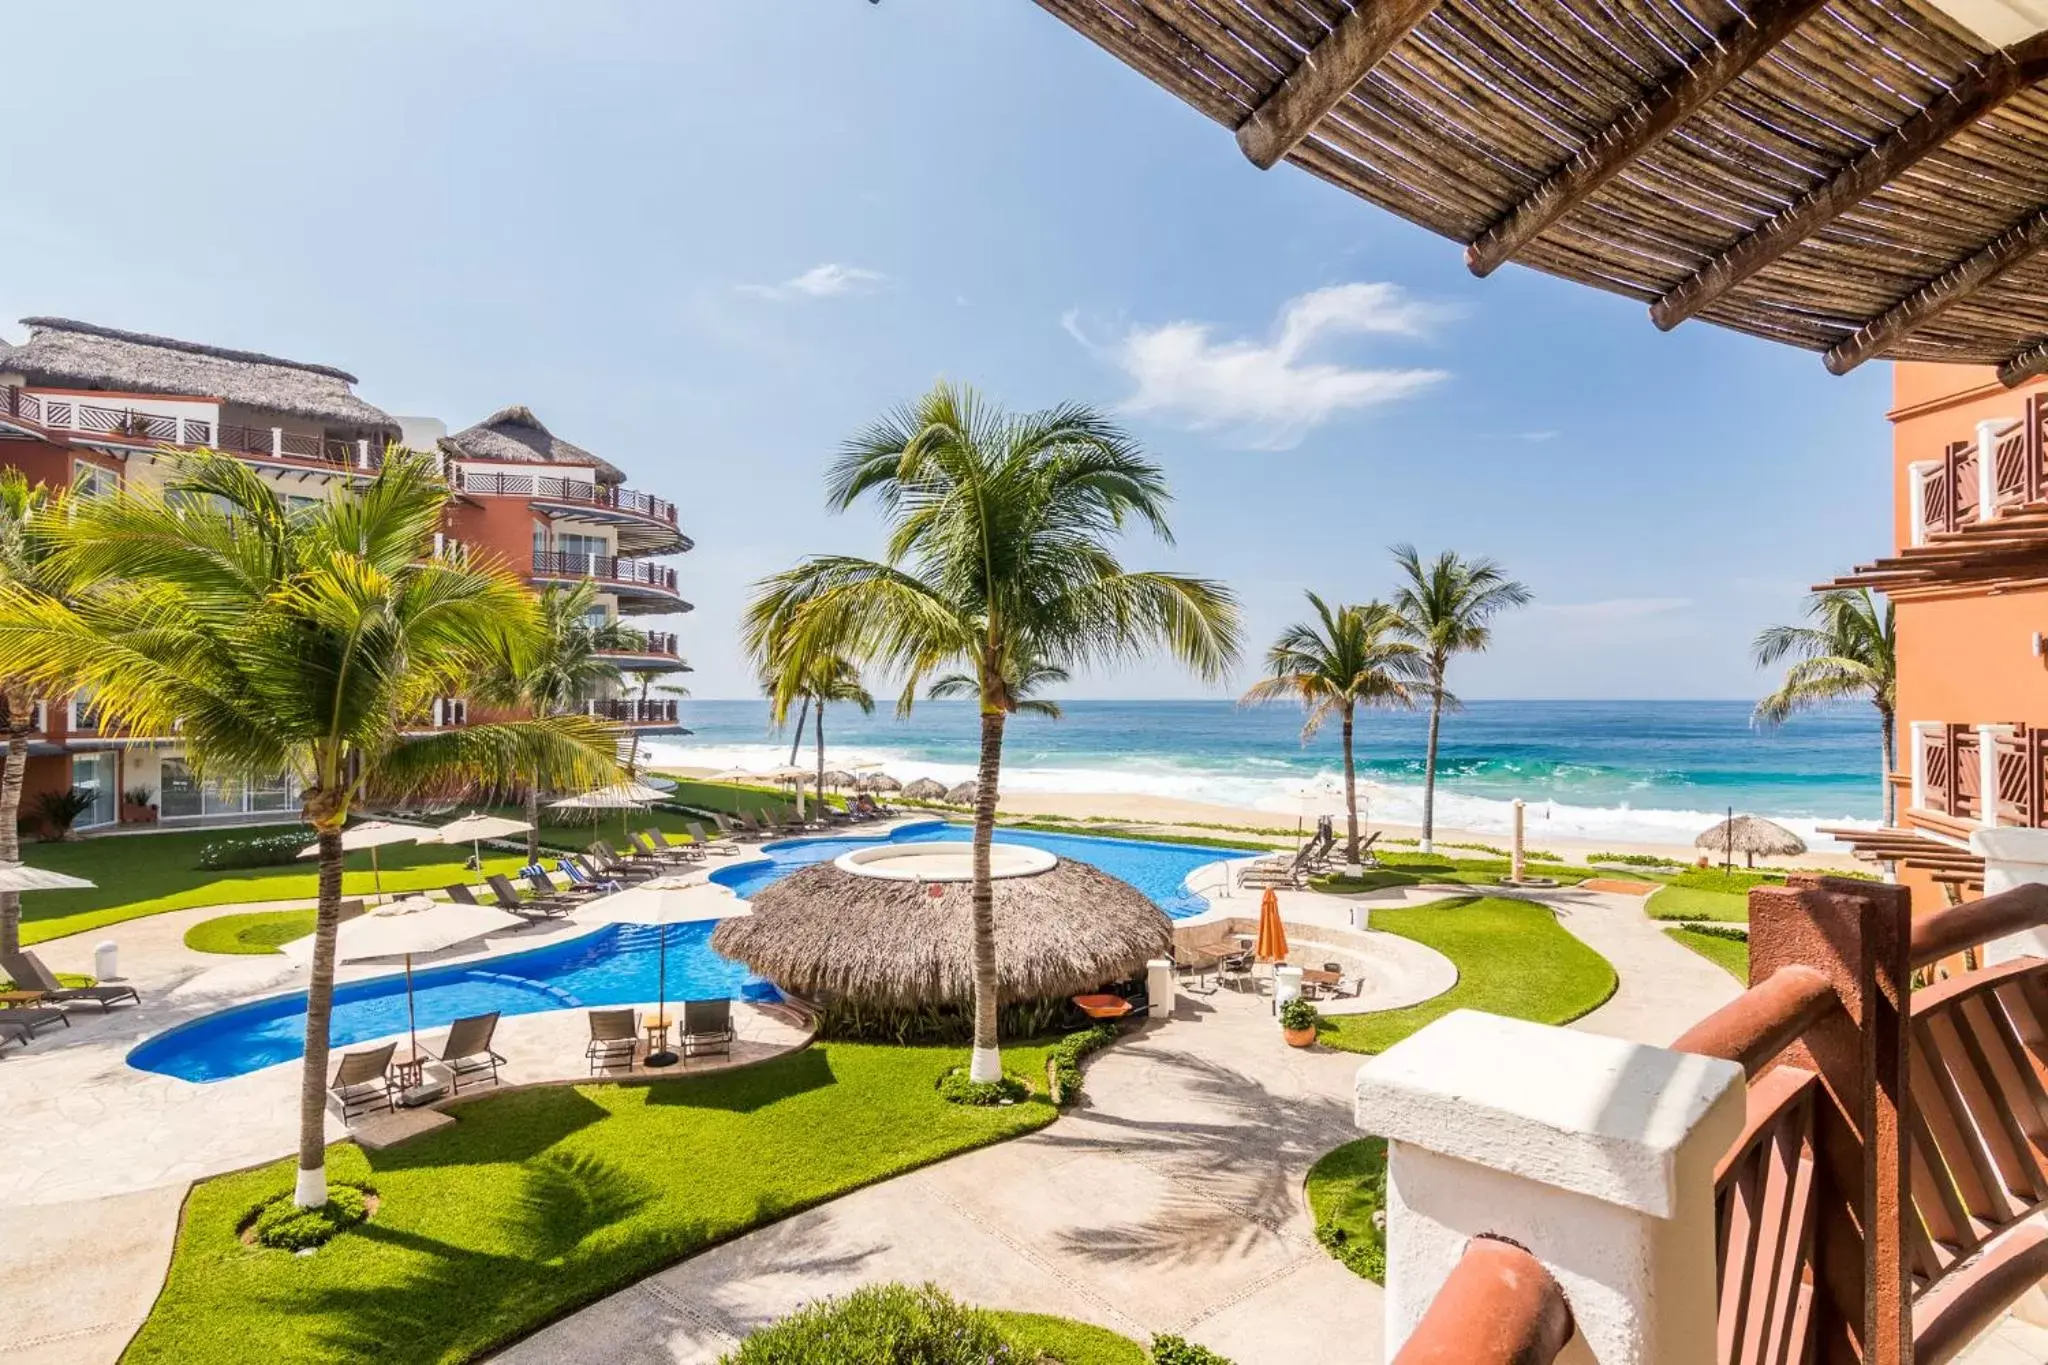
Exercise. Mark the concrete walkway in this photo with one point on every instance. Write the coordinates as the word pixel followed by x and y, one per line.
pixel 1169 1201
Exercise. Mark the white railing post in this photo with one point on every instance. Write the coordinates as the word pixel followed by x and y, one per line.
pixel 1595 1155
pixel 1987 773
pixel 1916 496
pixel 277 442
pixel 1918 732
pixel 1987 467
pixel 362 454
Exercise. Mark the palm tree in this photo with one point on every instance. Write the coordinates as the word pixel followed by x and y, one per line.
pixel 1350 656
pixel 1447 608
pixel 1850 651
pixel 549 669
pixel 306 641
pixel 1000 557
pixel 22 552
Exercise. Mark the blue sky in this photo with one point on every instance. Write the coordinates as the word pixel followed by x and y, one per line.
pixel 710 240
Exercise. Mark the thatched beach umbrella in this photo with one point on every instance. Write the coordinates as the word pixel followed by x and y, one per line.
pixel 964 794
pixel 926 789
pixel 1751 835
pixel 880 782
pixel 831 934
pixel 837 779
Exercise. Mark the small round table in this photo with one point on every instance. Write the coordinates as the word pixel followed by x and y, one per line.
pixel 656 1027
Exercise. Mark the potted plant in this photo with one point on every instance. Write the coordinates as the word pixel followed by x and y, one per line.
pixel 1298 1022
pixel 138 806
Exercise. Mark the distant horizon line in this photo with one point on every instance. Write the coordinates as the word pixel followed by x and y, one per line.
pixel 1211 701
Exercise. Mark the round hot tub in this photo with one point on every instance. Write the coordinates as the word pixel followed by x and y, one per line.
pixel 943 862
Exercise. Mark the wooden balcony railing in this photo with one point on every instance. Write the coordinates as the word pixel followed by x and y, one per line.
pixel 633 710
pixel 639 572
pixel 553 488
pixel 75 414
pixel 1952 490
pixel 1952 775
pixel 645 642
pixel 1499 1307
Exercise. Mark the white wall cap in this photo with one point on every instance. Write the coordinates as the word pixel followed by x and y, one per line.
pixel 1597 1116
pixel 2000 23
pixel 2011 845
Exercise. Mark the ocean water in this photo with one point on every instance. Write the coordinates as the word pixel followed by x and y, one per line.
pixel 1621 770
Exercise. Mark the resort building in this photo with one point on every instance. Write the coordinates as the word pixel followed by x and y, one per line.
pixel 1967 581
pixel 90 408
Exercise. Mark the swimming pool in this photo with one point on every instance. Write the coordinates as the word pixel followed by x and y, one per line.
pixel 1159 870
pixel 614 965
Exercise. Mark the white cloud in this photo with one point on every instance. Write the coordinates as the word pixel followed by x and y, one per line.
pixel 820 282
pixel 1268 394
pixel 1615 608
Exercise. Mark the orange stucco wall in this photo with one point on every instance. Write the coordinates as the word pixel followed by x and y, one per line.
pixel 500 527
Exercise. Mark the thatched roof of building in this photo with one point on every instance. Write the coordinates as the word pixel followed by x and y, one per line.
pixel 1752 835
pixel 963 794
pixel 1858 177
pixel 826 933
pixel 66 354
pixel 515 436
pixel 926 789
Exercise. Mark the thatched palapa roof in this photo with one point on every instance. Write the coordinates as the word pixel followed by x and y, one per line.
pixel 1859 177
pixel 66 354
pixel 515 436
pixel 963 794
pixel 827 933
pixel 925 789
pixel 1751 835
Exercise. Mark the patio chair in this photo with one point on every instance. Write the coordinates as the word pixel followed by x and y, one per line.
pixel 582 876
pixel 508 898
pixel 752 829
pixel 29 974
pixel 460 894
pixel 644 847
pixel 34 1018
pixel 1350 987
pixel 725 848
pixel 467 1049
pixel 11 1032
pixel 543 885
pixel 602 860
pixel 691 852
pixel 707 1027
pixel 362 1082
pixel 613 1034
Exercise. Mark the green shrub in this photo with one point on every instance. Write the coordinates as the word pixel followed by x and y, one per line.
pixel 58 811
pixel 1347 1194
pixel 907 1025
pixel 1299 1013
pixel 890 1324
pixel 1181 1351
pixel 1634 859
pixel 1727 931
pixel 264 850
pixel 958 1089
pixel 284 1226
pixel 1737 880
pixel 1063 1067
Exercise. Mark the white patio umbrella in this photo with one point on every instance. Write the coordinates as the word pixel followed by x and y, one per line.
pixel 662 906
pixel 404 927
pixel 22 877
pixel 473 829
pixel 620 796
pixel 734 775
pixel 373 835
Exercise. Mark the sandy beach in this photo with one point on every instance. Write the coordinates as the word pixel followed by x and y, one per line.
pixel 1139 813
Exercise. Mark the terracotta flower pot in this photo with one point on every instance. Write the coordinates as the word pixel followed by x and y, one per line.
pixel 1298 1037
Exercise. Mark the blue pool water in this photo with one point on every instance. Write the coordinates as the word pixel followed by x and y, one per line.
pixel 1159 870
pixel 615 965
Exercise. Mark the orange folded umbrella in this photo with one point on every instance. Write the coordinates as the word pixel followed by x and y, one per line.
pixel 1272 944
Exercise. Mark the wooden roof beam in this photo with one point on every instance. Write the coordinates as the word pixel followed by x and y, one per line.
pixel 1940 294
pixel 1641 126
pixel 1981 90
pixel 1330 70
pixel 2024 366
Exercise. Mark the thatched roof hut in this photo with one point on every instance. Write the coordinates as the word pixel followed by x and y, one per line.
pixel 829 933
pixel 82 355
pixel 1862 178
pixel 926 789
pixel 836 778
pixel 1753 836
pixel 964 794
pixel 515 436
pixel 880 782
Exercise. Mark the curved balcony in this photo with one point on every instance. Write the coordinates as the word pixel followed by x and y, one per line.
pixel 645 523
pixel 640 584
pixel 653 712
pixel 648 651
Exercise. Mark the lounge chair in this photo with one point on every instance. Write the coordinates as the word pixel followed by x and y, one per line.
pixel 30 974
pixel 644 847
pixel 543 886
pixel 363 1082
pixel 707 1027
pixel 600 859
pixel 581 876
pixel 34 1018
pixel 11 1032
pixel 657 841
pixel 613 1034
pixel 752 828
pixel 725 848
pixel 467 1049
pixel 461 894
pixel 508 898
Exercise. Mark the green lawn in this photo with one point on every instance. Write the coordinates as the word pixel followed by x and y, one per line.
pixel 539 1201
pixel 1513 958
pixel 1346 1187
pixel 1726 953
pixel 1692 902
pixel 1421 869
pixel 1067 1341
pixel 146 874
pixel 252 931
